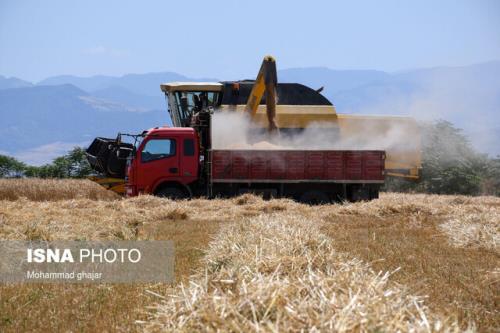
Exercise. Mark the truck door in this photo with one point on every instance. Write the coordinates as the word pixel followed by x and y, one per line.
pixel 189 160
pixel 158 160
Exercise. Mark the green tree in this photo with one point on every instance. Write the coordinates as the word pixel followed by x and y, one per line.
pixel 10 167
pixel 450 165
pixel 79 165
pixel 491 184
pixel 74 164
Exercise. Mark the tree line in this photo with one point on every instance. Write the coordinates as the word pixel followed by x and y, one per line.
pixel 450 165
pixel 74 164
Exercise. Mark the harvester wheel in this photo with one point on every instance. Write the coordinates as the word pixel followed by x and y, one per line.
pixel 173 193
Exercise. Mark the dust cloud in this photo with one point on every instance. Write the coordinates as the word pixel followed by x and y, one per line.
pixel 235 130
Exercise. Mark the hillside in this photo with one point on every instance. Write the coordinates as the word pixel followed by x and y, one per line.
pixel 44 121
pixel 12 82
pixel 138 90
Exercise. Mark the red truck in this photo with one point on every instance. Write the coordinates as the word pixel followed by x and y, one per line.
pixel 171 162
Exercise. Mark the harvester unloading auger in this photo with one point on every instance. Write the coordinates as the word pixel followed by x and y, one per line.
pixel 266 82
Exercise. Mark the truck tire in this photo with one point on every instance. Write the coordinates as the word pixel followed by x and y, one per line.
pixel 360 194
pixel 173 193
pixel 314 198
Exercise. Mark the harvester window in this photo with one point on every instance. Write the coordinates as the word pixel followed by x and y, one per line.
pixel 156 149
pixel 189 102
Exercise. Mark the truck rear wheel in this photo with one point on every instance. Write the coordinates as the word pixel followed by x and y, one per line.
pixel 314 198
pixel 173 193
pixel 363 193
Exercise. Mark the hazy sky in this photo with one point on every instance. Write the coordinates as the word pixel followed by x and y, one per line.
pixel 227 39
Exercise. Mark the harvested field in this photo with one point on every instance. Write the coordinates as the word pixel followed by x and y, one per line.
pixel 460 279
pixel 252 264
pixel 93 308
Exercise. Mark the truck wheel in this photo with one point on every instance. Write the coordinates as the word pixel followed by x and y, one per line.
pixel 360 194
pixel 173 193
pixel 314 198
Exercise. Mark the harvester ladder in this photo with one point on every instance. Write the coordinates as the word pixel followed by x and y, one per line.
pixel 209 175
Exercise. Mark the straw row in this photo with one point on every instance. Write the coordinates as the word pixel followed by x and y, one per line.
pixel 279 273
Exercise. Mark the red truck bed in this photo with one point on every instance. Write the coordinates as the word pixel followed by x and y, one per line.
pixel 336 166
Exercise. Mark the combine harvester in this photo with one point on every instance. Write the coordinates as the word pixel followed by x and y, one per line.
pixel 180 162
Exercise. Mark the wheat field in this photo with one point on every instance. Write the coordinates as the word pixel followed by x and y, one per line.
pixel 404 262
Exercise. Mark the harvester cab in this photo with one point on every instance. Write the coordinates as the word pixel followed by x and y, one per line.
pixel 185 99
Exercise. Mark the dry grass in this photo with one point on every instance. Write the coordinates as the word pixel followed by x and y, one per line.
pixel 52 190
pixel 279 273
pixel 461 278
pixel 101 308
pixel 481 229
pixel 446 247
pixel 95 308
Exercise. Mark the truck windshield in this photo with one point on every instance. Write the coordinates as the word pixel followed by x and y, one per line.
pixel 156 149
pixel 190 102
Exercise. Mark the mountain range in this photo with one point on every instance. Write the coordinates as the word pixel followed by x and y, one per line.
pixel 39 121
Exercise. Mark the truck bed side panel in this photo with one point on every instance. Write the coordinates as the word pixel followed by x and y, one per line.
pixel 297 165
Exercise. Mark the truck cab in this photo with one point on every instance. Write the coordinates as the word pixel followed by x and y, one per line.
pixel 167 160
